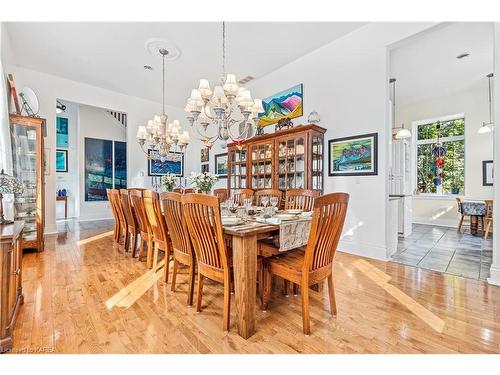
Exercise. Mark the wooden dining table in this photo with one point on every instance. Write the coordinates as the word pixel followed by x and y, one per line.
pixel 244 242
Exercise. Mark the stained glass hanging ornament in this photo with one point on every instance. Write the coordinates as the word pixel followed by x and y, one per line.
pixel 439 152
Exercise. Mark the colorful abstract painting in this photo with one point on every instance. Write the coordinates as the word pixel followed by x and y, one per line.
pixel 61 160
pixel 353 156
pixel 61 132
pixel 98 168
pixel 120 165
pixel 285 104
pixel 157 167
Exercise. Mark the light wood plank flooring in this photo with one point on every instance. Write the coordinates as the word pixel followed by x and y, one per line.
pixel 90 298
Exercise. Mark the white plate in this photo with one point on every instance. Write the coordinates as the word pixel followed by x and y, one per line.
pixel 285 216
pixel 230 220
pixel 294 211
pixel 306 214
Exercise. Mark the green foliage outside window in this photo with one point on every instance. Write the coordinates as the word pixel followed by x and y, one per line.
pixel 454 166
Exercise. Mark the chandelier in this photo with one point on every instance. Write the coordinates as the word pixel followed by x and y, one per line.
pixel 162 138
pixel 228 113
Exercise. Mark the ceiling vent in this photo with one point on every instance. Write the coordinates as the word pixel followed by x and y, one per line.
pixel 462 55
pixel 246 80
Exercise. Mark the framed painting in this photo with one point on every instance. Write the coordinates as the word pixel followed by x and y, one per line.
pixel 62 132
pixel 205 155
pixel 487 172
pixel 120 165
pixel 353 156
pixel 157 167
pixel 221 165
pixel 98 169
pixel 205 168
pixel 61 160
pixel 284 104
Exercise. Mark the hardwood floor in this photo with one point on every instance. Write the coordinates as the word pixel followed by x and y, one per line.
pixel 77 294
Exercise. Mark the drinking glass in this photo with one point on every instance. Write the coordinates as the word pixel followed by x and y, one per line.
pixel 264 200
pixel 274 202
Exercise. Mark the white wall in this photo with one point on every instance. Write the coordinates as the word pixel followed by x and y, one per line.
pixel 95 123
pixel 478 147
pixel 346 81
pixel 68 180
pixel 49 88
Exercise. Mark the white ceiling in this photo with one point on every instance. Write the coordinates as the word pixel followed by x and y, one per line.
pixel 112 55
pixel 426 66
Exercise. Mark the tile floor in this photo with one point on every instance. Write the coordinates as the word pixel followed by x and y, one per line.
pixel 445 250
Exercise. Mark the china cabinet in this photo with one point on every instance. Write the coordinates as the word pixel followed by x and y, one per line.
pixel 28 167
pixel 287 159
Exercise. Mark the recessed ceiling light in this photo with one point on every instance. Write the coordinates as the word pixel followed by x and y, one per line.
pixel 462 55
pixel 148 67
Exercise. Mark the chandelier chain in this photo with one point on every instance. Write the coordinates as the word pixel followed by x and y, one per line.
pixel 223 49
pixel 163 84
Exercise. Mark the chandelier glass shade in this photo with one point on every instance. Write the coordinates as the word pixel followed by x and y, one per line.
pixel 165 139
pixel 226 113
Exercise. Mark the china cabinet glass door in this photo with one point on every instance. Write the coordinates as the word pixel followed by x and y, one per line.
pixel 25 163
pixel 261 172
pixel 291 163
pixel 317 162
pixel 237 168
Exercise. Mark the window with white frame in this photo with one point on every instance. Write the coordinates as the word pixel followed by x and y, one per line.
pixel 446 176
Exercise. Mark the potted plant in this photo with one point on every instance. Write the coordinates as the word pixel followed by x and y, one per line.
pixel 168 181
pixel 455 187
pixel 203 181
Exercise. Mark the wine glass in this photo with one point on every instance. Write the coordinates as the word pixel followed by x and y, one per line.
pixel 274 202
pixel 264 200
pixel 247 203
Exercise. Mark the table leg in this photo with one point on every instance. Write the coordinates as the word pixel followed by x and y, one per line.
pixel 473 224
pixel 245 269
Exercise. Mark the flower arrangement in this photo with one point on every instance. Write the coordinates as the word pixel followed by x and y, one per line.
pixel 203 181
pixel 168 181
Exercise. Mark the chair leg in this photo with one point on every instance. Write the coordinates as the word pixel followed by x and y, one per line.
pixel 127 241
pixel 227 305
pixel 167 263
pixel 487 230
pixel 331 294
pixel 286 285
pixel 295 289
pixel 267 287
pixel 141 248
pixel 199 292
pixel 305 310
pixel 191 285
pixel 117 232
pixel 460 223
pixel 174 273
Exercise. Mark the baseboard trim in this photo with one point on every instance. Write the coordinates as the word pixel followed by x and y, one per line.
pixel 94 219
pixel 494 278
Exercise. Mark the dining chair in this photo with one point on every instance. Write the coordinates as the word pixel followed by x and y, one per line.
pixel 268 193
pixel 132 225
pixel 315 264
pixel 182 250
pixel 116 228
pixel 489 217
pixel 300 199
pixel 461 211
pixel 122 223
pixel 136 198
pixel 205 230
pixel 222 194
pixel 240 194
pixel 159 230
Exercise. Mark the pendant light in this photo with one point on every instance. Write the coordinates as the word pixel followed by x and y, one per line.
pixel 402 133
pixel 487 127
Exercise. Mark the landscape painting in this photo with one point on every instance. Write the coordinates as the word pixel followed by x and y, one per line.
pixel 98 169
pixel 61 160
pixel 221 165
pixel 61 132
pixel 157 167
pixel 120 165
pixel 353 156
pixel 285 104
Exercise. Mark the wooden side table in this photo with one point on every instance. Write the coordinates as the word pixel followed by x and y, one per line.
pixel 65 199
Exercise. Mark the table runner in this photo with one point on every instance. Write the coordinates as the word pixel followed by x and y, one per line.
pixel 294 233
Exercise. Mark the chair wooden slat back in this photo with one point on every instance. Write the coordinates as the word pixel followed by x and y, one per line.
pixel 489 207
pixel 459 204
pixel 300 199
pixel 268 193
pixel 127 209
pixel 154 215
pixel 117 203
pixel 176 224
pixel 205 230
pixel 112 204
pixel 326 227
pixel 140 212
pixel 222 194
pixel 240 194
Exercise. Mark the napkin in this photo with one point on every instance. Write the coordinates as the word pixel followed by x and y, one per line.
pixel 271 220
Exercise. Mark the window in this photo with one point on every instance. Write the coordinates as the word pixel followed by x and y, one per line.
pixel 451 132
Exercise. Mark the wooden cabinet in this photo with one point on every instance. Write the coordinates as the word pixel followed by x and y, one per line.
pixel 288 159
pixel 10 280
pixel 28 167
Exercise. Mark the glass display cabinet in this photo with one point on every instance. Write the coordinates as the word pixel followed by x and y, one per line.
pixel 28 167
pixel 287 159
